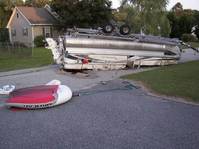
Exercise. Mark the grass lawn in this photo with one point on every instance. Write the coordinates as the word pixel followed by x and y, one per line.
pixel 40 57
pixel 194 44
pixel 180 80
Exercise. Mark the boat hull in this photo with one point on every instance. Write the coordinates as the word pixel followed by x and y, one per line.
pixel 82 51
pixel 39 97
pixel 113 44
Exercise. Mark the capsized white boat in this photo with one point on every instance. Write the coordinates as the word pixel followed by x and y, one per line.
pixel 37 97
pixel 81 51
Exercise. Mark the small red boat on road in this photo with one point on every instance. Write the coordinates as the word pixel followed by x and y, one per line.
pixel 38 97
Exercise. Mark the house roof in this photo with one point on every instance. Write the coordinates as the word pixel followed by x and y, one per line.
pixel 38 16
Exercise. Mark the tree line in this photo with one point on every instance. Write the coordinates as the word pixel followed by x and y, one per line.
pixel 144 16
pixel 183 21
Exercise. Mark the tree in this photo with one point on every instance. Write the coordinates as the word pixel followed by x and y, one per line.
pixel 177 7
pixel 183 23
pixel 37 3
pixel 196 22
pixel 6 7
pixel 82 13
pixel 174 23
pixel 150 14
pixel 186 22
pixel 197 31
pixel 196 17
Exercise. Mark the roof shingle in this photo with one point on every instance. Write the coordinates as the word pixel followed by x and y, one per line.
pixel 38 15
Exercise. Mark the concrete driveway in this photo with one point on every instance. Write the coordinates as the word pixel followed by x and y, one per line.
pixel 109 113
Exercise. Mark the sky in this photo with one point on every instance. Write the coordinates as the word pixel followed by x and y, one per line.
pixel 187 4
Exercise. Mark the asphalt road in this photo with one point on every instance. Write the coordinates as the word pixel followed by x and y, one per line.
pixel 110 115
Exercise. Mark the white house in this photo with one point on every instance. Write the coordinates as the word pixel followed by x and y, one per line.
pixel 26 23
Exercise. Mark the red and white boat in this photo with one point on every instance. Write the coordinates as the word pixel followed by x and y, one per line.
pixel 38 97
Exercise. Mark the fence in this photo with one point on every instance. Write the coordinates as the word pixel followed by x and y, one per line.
pixel 14 50
pixel 4 35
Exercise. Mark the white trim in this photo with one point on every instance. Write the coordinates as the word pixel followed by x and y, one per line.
pixel 42 24
pixel 32 29
pixel 13 13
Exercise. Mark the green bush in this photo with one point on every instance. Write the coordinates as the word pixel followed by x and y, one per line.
pixel 197 31
pixel 39 41
pixel 188 38
pixel 4 35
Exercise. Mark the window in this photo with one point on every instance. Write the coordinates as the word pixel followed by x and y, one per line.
pixel 13 32
pixel 17 15
pixel 47 32
pixel 25 31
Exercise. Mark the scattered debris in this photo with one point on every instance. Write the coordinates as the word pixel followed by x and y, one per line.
pixel 6 89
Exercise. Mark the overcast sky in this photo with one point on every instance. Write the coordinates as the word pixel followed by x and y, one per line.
pixel 187 4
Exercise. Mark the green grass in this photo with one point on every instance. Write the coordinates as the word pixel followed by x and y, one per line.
pixel 194 44
pixel 40 57
pixel 180 80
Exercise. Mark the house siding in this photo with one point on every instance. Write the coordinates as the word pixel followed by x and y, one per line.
pixel 19 23
pixel 39 30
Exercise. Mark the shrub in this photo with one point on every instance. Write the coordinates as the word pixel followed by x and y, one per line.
pixel 197 31
pixel 4 35
pixel 38 41
pixel 188 38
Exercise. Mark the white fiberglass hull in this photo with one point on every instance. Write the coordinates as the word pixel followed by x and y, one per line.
pixel 38 97
pixel 101 62
pixel 95 66
pixel 107 53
